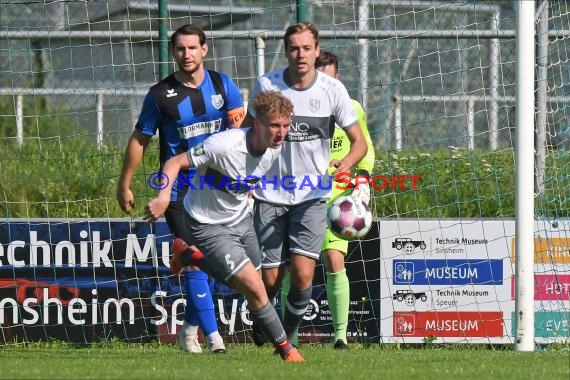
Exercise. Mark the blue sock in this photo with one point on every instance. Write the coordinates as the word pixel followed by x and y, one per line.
pixel 199 304
pixel 212 285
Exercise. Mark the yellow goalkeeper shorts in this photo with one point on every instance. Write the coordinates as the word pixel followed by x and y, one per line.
pixel 331 241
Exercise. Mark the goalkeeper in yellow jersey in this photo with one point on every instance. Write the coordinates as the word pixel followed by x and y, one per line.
pixel 334 250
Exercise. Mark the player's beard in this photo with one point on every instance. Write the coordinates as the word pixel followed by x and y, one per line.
pixel 189 70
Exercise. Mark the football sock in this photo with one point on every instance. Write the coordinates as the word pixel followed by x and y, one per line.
pixel 267 320
pixel 199 304
pixel 338 294
pixel 213 337
pixel 295 308
pixel 285 286
pixel 211 284
pixel 190 329
pixel 190 315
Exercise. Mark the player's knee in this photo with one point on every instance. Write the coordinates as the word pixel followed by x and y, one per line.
pixel 302 281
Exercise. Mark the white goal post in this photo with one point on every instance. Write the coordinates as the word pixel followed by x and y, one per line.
pixel 524 151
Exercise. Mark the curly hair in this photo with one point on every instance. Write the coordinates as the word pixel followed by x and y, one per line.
pixel 272 102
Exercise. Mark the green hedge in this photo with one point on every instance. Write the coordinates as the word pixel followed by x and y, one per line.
pixel 72 179
pixel 454 183
pixel 67 179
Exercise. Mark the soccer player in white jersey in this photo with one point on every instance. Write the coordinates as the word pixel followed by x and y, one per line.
pixel 218 218
pixel 290 217
pixel 334 249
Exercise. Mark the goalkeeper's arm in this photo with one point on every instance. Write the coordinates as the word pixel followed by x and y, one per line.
pixel 366 165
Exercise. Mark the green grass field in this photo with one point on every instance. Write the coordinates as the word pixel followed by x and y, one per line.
pixel 155 361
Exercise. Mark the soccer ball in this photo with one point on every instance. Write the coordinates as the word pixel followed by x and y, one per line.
pixel 348 218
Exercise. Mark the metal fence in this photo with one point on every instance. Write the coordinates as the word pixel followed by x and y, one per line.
pixel 430 74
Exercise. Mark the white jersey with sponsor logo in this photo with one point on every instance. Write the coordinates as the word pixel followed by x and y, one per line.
pixel 302 166
pixel 225 171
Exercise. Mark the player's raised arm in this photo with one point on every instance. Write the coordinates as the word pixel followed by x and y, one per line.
pixel 157 206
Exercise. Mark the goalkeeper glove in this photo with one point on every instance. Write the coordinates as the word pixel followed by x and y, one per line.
pixel 361 187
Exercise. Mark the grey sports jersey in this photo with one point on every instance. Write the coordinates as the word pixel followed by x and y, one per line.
pixel 306 154
pixel 226 171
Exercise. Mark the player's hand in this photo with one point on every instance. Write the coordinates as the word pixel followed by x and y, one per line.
pixel 126 200
pixel 339 166
pixel 155 209
pixel 361 193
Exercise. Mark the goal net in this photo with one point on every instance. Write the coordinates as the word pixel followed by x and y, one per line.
pixel 437 81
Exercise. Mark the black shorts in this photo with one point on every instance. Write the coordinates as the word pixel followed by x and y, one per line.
pixel 175 216
pixel 177 220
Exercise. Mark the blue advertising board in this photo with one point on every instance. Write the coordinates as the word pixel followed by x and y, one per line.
pixel 87 280
pixel 447 272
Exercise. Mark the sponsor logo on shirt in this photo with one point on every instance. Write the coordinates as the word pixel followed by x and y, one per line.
pixel 197 129
pixel 304 128
pixel 170 93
